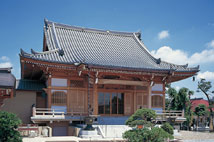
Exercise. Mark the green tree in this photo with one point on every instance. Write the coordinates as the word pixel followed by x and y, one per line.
pixel 149 133
pixel 200 110
pixel 8 127
pixel 180 100
pixel 173 95
pixel 142 116
pixel 168 128
pixel 205 87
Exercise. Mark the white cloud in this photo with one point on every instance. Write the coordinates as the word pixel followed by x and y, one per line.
pixel 168 54
pixel 5 64
pixel 4 58
pixel 205 75
pixel 211 44
pixel 163 34
pixel 180 57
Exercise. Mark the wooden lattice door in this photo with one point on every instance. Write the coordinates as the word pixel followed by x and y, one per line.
pixel 141 100
pixel 78 101
pixel 129 103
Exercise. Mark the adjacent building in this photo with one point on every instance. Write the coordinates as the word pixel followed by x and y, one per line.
pixel 7 84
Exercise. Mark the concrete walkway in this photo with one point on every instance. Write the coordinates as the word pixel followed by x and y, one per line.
pixel 192 136
pixel 211 140
pixel 71 139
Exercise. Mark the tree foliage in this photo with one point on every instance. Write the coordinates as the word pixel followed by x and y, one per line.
pixel 149 133
pixel 180 100
pixel 201 110
pixel 146 135
pixel 168 128
pixel 141 117
pixel 205 87
pixel 8 127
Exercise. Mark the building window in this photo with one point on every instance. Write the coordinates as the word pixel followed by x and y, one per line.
pixel 59 98
pixel 157 101
pixel 111 103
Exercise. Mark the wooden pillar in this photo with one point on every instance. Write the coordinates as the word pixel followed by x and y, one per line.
pixel 49 98
pixel 68 100
pixel 68 95
pixel 135 103
pixel 12 93
pixel 149 96
pixel 95 99
pixel 49 91
pixel 164 96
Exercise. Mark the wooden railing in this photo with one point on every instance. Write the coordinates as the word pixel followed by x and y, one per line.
pixel 54 112
pixel 163 114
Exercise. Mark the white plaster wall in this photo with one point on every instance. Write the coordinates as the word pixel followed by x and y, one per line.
pixel 113 131
pixel 157 87
pixel 157 95
pixel 59 82
pixel 21 105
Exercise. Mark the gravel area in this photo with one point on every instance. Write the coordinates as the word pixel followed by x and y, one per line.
pixel 192 136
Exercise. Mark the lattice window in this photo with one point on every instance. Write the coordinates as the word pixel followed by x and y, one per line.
pixel 59 98
pixel 129 87
pixel 77 83
pixel 157 101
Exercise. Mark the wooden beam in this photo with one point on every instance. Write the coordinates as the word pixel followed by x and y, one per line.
pixel 122 82
pixel 95 100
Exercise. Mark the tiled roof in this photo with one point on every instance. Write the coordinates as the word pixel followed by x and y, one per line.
pixel 7 80
pixel 32 85
pixel 68 45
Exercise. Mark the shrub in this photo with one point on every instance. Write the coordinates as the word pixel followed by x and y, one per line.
pixel 146 135
pixel 143 116
pixel 149 133
pixel 168 128
pixel 8 127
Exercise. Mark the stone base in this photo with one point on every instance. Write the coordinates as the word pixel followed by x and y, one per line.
pixel 89 134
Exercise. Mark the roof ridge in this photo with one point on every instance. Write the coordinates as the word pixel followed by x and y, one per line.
pixel 144 47
pixel 66 26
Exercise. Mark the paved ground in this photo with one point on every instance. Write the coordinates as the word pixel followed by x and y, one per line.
pixel 191 136
pixel 199 140
pixel 186 136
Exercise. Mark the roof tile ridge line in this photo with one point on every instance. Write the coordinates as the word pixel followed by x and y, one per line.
pixel 144 47
pixel 23 53
pixel 56 40
pixel 184 66
pixel 46 37
pixel 44 52
pixel 66 26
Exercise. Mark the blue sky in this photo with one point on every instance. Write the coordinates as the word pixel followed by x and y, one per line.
pixel 178 31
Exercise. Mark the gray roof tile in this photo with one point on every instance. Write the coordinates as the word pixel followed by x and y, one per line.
pixel 7 80
pixel 100 48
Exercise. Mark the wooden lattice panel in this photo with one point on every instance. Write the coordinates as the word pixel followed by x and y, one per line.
pixel 157 101
pixel 143 88
pixel 77 83
pixel 59 98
